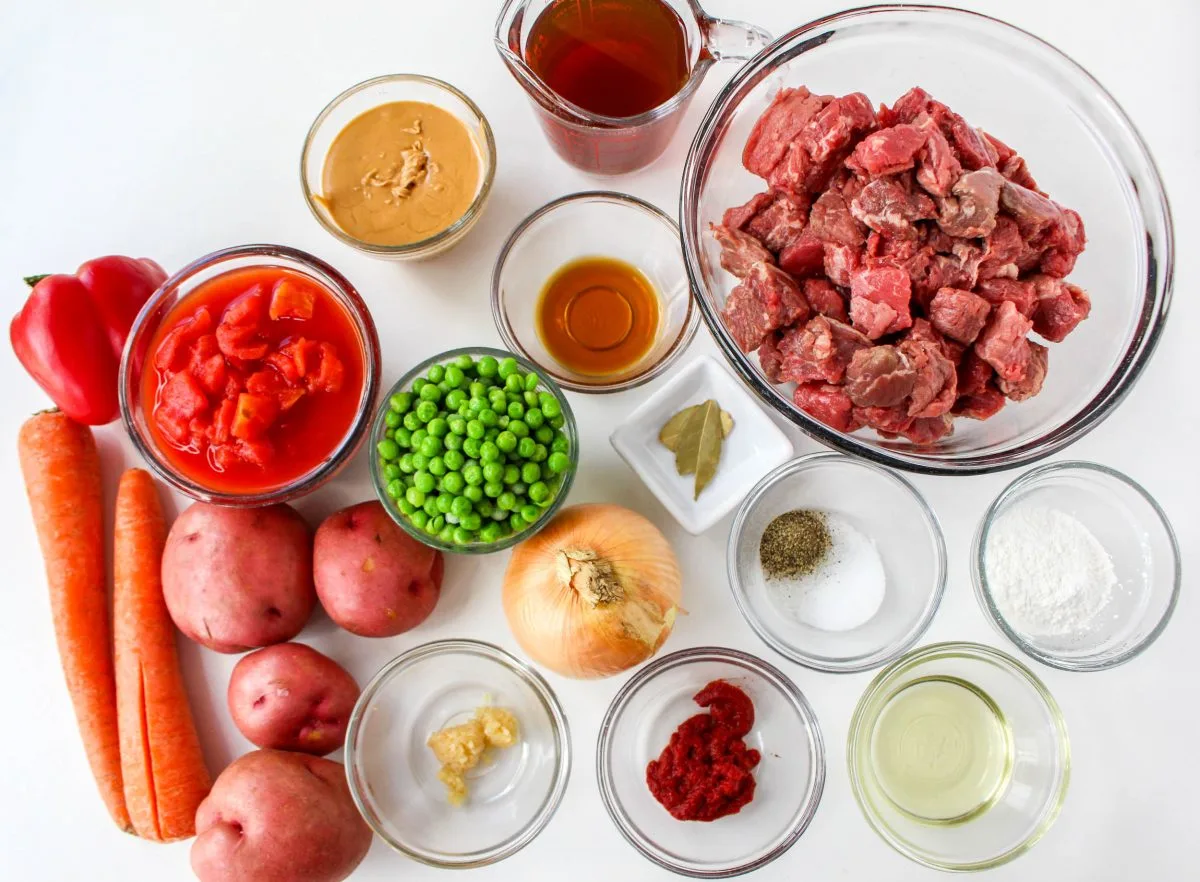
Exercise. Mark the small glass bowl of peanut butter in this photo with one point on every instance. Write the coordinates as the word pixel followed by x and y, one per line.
pixel 399 166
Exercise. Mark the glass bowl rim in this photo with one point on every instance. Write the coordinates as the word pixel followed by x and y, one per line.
pixel 687 331
pixel 983 594
pixel 568 479
pixel 961 649
pixel 364 324
pixel 767 671
pixel 487 156
pixel 823 663
pixel 1156 288
pixel 558 724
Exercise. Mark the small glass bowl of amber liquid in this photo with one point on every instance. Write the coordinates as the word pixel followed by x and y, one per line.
pixel 592 289
pixel 475 165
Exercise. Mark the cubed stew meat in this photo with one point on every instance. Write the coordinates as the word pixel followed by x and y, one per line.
pixel 256 378
pixel 895 265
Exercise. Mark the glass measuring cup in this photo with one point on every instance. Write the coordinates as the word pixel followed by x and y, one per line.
pixel 611 145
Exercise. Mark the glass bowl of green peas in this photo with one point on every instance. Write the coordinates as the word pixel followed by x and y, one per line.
pixel 474 450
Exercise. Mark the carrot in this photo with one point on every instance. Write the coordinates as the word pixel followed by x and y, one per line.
pixel 163 768
pixel 61 467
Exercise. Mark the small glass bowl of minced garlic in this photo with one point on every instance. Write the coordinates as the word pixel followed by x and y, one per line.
pixel 399 167
pixel 836 563
pixel 457 754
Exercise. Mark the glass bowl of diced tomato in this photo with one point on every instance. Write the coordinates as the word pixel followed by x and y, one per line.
pixel 250 376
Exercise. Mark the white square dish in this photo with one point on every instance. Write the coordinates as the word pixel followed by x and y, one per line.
pixel 753 448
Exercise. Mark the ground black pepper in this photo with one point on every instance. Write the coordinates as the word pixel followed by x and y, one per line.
pixel 794 544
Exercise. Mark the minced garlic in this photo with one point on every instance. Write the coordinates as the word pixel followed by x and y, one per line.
pixel 461 748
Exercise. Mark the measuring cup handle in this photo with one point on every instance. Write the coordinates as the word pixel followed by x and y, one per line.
pixel 732 40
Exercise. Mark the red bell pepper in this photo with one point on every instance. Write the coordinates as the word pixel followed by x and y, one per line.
pixel 70 333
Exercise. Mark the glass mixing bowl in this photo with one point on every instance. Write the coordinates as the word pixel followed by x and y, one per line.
pixel 1037 758
pixel 1080 145
pixel 393 775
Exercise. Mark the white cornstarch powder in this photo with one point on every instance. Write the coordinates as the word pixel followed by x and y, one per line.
pixel 1048 574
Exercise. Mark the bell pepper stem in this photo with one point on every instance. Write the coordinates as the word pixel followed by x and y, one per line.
pixel 33 280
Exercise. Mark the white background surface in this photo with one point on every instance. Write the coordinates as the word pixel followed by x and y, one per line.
pixel 171 129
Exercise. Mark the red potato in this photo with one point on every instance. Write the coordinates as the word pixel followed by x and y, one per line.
pixel 275 816
pixel 373 578
pixel 236 579
pixel 291 697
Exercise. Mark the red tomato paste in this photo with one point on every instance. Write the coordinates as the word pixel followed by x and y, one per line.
pixel 704 772
pixel 254 379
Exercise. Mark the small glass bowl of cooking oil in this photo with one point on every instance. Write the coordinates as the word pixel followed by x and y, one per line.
pixel 959 756
pixel 592 289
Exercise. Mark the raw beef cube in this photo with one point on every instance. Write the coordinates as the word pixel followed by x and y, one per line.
pixel 1002 343
pixel 828 404
pixel 1004 246
pixel 825 299
pixel 841 262
pixel 1001 151
pixel 1064 243
pixel 831 221
pixel 981 405
pixel 770 359
pixel 887 421
pixel 936 383
pixel 879 300
pixel 1060 307
pixel 788 113
pixel 973 151
pixel 887 151
pixel 959 315
pixel 821 350
pixel 1016 171
pixel 974 374
pixel 886 207
pixel 737 217
pixel 1021 294
pixel 740 251
pixel 1035 375
pixel 923 330
pixel 937 166
pixel 924 431
pixel 804 257
pixel 912 104
pixel 1032 211
pixel 791 174
pixel 970 210
pixel 831 135
pixel 767 299
pixel 781 221
pixel 880 376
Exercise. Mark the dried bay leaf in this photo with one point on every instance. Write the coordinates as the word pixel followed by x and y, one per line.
pixel 699 449
pixel 671 431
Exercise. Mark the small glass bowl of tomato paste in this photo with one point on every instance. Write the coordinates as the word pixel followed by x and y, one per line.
pixel 789 775
pixel 250 375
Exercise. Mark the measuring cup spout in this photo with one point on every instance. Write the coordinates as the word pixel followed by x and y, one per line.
pixel 731 40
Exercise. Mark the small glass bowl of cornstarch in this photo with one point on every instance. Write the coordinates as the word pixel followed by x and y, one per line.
pixel 1077 565
pixel 836 563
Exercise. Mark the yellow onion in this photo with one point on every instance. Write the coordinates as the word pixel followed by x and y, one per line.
pixel 594 593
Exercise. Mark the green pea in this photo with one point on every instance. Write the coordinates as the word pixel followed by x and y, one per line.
pixel 488 417
pixel 472 474
pixel 453 482
pixel 540 453
pixel 409 463
pixel 400 402
pixel 443 503
pixel 391 471
pixel 454 460
pixel 525 447
pixel 478 390
pixel 514 384
pixel 519 487
pixel 507 500
pixel 453 442
pixel 416 495
pixel 531 399
pixel 423 481
pixel 487 366
pixel 492 434
pixel 472 522
pixel 534 418
pixel 471 448
pixel 559 443
pixel 485 508
pixel 503 421
pixel 437 466
pixel 445 387
pixel 411 422
pixel 493 472
pixel 417 437
pixel 473 492
pixel 395 488
pixel 476 428
pixel 437 523
pixel 388 448
pixel 492 489
pixel 544 435
pixel 392 420
pixel 508 367
pixel 506 441
pixel 460 507
pixel 490 533
pixel 406 507
pixel 426 410
pixel 530 513
pixel 456 425
pixel 556 422
pixel 549 404
pixel 438 427
pixel 464 362
pixel 531 472
pixel 531 382
pixel 430 393
pixel 455 376
pixel 517 523
pixel 475 405
pixel 436 374
pixel 419 519
pixel 430 506
pixel 431 446
pixel 518 428
pixel 488 452
pixel 403 437
pixel 516 410
pixel 462 536
pixel 512 474
pixel 455 399
pixel 418 384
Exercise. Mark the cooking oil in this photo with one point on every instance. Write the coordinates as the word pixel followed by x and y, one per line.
pixel 941 750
